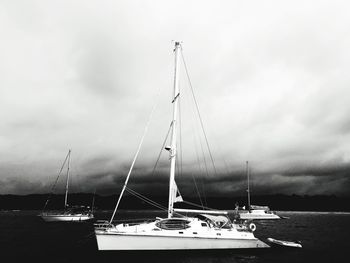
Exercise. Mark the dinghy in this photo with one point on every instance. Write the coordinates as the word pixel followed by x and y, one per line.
pixel 284 243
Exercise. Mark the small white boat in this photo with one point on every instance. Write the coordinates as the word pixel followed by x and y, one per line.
pixel 255 212
pixel 59 217
pixel 68 214
pixel 284 243
pixel 258 213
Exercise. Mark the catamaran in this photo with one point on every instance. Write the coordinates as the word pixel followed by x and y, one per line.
pixel 69 213
pixel 256 212
pixel 208 229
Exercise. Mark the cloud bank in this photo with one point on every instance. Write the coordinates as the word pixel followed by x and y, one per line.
pixel 271 81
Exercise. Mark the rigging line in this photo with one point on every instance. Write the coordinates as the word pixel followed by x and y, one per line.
pixel 200 168
pixel 198 162
pixel 93 202
pixel 181 152
pixel 55 183
pixel 146 199
pixel 136 155
pixel 196 134
pixel 226 166
pixel 133 192
pixel 151 202
pixel 67 183
pixel 197 205
pixel 162 148
pixel 181 155
pixel 197 190
pixel 180 126
pixel 206 168
pixel 204 194
pixel 199 165
pixel 75 179
pixel 200 118
pixel 178 164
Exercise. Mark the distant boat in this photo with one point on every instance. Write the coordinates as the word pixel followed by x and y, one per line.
pixel 284 243
pixel 207 230
pixel 256 212
pixel 69 213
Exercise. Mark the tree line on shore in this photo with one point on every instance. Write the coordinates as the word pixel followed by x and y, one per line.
pixel 278 202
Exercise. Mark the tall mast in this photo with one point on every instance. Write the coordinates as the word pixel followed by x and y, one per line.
pixel 248 191
pixel 175 101
pixel 67 182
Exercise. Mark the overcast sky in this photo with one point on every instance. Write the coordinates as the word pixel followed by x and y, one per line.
pixel 271 80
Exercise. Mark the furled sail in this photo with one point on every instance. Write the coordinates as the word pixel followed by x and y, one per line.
pixel 178 197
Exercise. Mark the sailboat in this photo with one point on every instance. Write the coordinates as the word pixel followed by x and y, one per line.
pixel 69 213
pixel 207 229
pixel 255 212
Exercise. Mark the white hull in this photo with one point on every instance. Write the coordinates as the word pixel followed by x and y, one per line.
pixel 257 215
pixel 196 234
pixel 66 218
pixel 158 242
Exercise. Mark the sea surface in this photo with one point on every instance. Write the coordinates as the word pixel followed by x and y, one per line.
pixel 24 237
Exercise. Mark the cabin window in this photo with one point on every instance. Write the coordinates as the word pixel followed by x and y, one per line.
pixel 180 232
pixel 218 234
pixel 173 224
pixel 195 233
pixel 204 224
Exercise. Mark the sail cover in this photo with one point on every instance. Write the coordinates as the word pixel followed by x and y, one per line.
pixel 178 197
pixel 259 207
pixel 218 221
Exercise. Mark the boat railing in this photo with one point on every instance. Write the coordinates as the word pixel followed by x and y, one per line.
pixel 244 225
pixel 103 224
pixel 133 221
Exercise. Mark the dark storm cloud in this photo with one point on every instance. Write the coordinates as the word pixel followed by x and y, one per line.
pixel 270 77
pixel 305 182
pixel 325 170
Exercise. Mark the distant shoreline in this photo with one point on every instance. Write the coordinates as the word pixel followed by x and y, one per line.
pixel 152 210
pixel 278 202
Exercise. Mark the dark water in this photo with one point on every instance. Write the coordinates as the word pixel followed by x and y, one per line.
pixel 24 237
